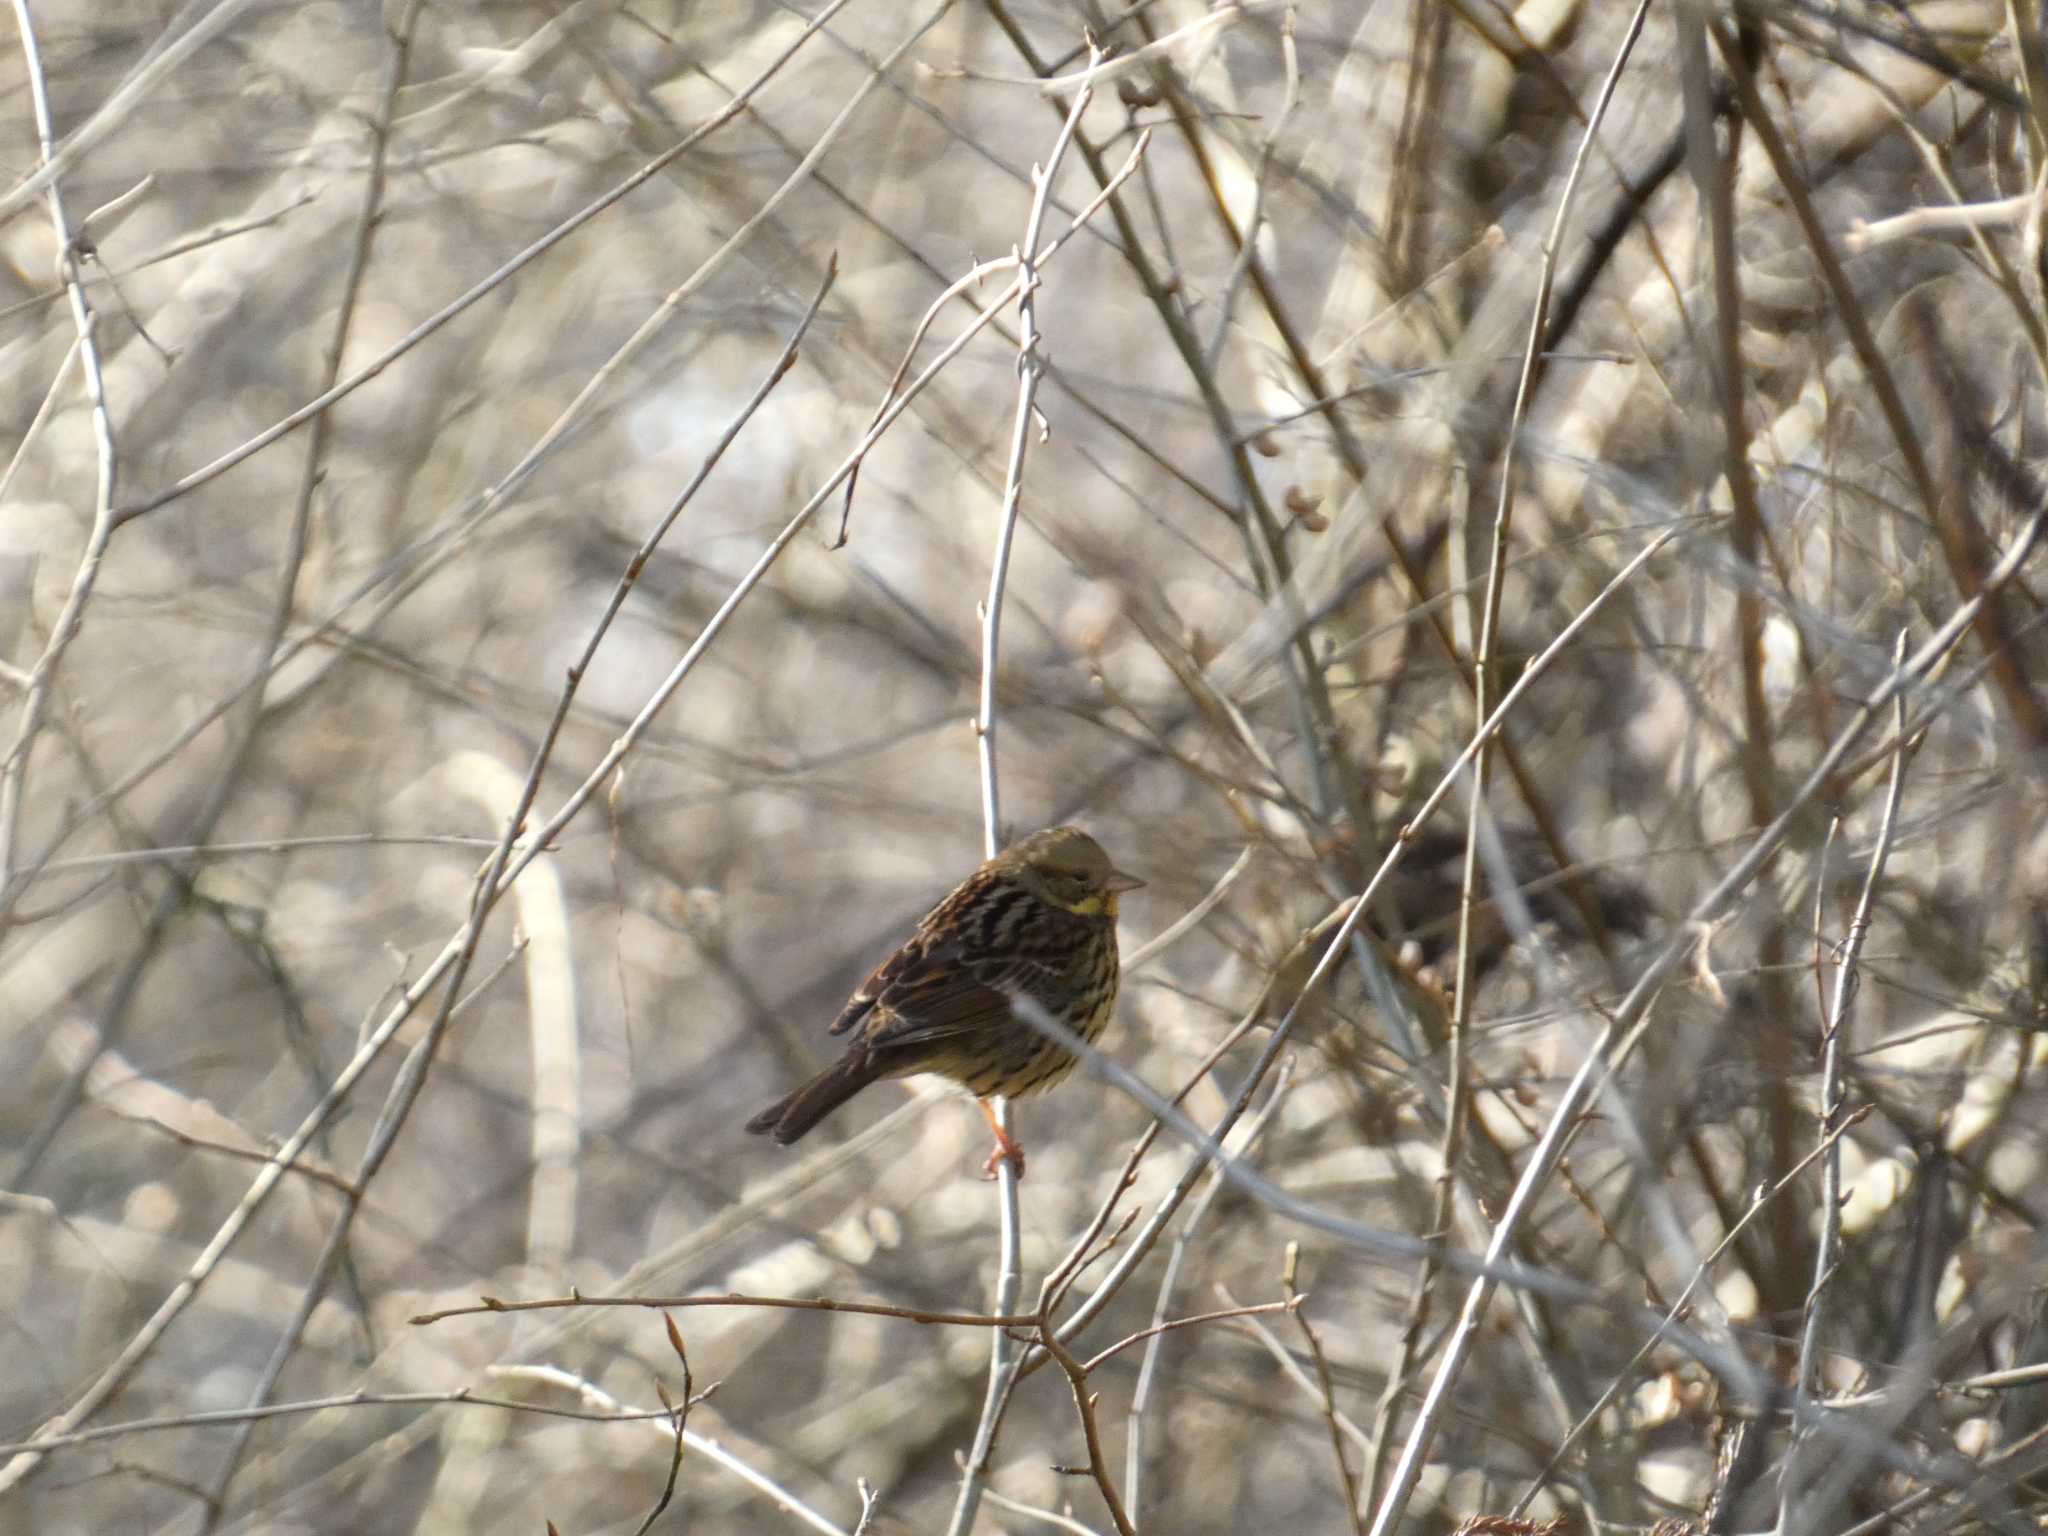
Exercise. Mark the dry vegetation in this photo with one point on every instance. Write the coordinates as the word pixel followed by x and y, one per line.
pixel 367 367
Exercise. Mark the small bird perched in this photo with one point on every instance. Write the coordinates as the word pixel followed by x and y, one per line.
pixel 1037 921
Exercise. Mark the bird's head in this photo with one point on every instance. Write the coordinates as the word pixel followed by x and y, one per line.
pixel 1067 867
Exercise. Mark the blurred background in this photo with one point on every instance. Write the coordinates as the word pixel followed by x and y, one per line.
pixel 272 679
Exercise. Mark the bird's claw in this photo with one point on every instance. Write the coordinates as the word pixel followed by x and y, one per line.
pixel 1008 1149
pixel 1005 1151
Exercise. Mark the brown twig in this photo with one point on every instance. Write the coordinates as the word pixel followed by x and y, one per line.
pixel 734 1299
pixel 1221 1314
pixel 1084 1407
pixel 1329 1388
pixel 679 1413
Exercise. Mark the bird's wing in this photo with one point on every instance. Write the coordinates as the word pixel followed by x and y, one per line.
pixel 922 995
pixel 917 969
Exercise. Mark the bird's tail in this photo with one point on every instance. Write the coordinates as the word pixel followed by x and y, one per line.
pixel 796 1112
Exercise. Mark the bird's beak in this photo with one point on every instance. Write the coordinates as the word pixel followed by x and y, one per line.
pixel 1119 881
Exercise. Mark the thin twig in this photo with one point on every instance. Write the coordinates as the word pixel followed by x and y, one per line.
pixel 1098 71
pixel 703 1445
pixel 1617 1039
pixel 1084 1406
pixel 248 719
pixel 461 1397
pixel 973 278
pixel 1208 1143
pixel 869 1503
pixel 42 677
pixel 1678 1307
pixel 426 555
pixel 1456 1090
pixel 1003 1353
pixel 490 283
pixel 1283 1357
pixel 1053 1518
pixel 1148 1370
pixel 679 1414
pixel 1229 1313
pixel 1833 1114
pixel 1247 250
pixel 491 1304
pixel 1189 920
pixel 33 434
pixel 1064 1274
pixel 1328 1387
pixel 271 845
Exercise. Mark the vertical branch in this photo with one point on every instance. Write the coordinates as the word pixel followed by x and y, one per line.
pixel 42 677
pixel 1628 1020
pixel 249 714
pixel 1003 1352
pixel 1325 1384
pixel 1248 247
pixel 1832 1100
pixel 1714 175
pixel 1091 1433
pixel 1333 783
pixel 1410 1465
pixel 1134 1432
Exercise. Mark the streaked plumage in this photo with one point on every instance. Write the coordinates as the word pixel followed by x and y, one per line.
pixel 1038 921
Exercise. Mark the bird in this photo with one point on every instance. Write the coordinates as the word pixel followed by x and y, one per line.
pixel 1036 922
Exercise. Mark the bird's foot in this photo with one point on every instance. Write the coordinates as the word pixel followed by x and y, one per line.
pixel 1007 1149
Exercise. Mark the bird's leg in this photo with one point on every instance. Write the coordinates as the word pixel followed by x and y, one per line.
pixel 1008 1148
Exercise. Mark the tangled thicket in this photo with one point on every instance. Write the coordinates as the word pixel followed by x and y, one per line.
pixel 354 358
